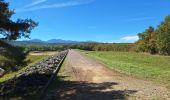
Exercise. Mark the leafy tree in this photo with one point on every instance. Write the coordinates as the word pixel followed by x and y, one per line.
pixel 11 58
pixel 153 47
pixel 147 41
pixel 12 30
pixel 163 36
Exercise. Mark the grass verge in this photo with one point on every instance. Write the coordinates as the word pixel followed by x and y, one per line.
pixel 149 67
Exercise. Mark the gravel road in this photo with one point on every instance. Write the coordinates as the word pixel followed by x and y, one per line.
pixel 93 81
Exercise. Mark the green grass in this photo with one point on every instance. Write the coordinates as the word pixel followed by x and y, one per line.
pixel 140 65
pixel 32 58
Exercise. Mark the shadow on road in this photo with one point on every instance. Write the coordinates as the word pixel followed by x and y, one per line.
pixel 75 90
pixel 25 87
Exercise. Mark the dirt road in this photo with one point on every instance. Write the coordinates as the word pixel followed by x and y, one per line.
pixel 93 81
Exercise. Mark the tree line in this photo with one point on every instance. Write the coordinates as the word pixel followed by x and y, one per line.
pixel 155 41
pixel 84 46
pixel 104 46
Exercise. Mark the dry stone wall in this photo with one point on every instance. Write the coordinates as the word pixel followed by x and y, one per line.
pixel 32 79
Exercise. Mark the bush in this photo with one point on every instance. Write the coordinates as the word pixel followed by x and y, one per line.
pixel 11 57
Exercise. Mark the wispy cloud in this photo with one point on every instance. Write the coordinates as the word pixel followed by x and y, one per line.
pixel 34 3
pixel 130 38
pixel 33 7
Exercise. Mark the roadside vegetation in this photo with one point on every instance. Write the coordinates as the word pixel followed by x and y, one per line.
pixel 12 58
pixel 155 40
pixel 83 46
pixel 32 60
pixel 104 46
pixel 44 47
pixel 140 65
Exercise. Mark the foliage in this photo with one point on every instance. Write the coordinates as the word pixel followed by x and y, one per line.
pixel 83 46
pixel 147 41
pixel 163 36
pixel 155 41
pixel 146 66
pixel 12 30
pixel 12 57
pixel 104 46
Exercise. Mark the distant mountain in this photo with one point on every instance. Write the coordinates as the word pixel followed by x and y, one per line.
pixel 36 41
pixel 25 42
pixel 60 41
pixel 52 41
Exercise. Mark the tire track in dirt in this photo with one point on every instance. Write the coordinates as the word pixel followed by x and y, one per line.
pixel 93 81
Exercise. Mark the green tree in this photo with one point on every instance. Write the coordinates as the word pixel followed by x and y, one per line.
pixel 147 41
pixel 12 30
pixel 163 36
pixel 153 48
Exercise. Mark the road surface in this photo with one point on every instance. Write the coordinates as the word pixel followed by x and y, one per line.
pixel 90 80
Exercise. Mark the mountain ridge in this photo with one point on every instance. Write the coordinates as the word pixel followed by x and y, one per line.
pixel 51 41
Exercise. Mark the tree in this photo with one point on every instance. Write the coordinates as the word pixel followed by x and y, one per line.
pixel 12 57
pixel 145 44
pixel 163 36
pixel 12 30
pixel 153 47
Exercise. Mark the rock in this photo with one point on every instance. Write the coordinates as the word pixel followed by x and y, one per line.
pixel 36 76
pixel 2 72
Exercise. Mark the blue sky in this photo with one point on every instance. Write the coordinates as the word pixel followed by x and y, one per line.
pixel 97 20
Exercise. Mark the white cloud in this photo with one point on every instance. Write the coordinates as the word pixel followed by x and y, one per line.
pixel 130 38
pixel 56 5
pixel 35 3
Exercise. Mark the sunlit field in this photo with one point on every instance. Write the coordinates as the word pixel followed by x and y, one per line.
pixel 140 65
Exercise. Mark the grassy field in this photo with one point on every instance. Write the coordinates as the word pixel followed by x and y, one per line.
pixel 140 65
pixel 32 58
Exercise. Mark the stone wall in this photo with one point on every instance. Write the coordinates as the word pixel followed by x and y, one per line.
pixel 32 79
